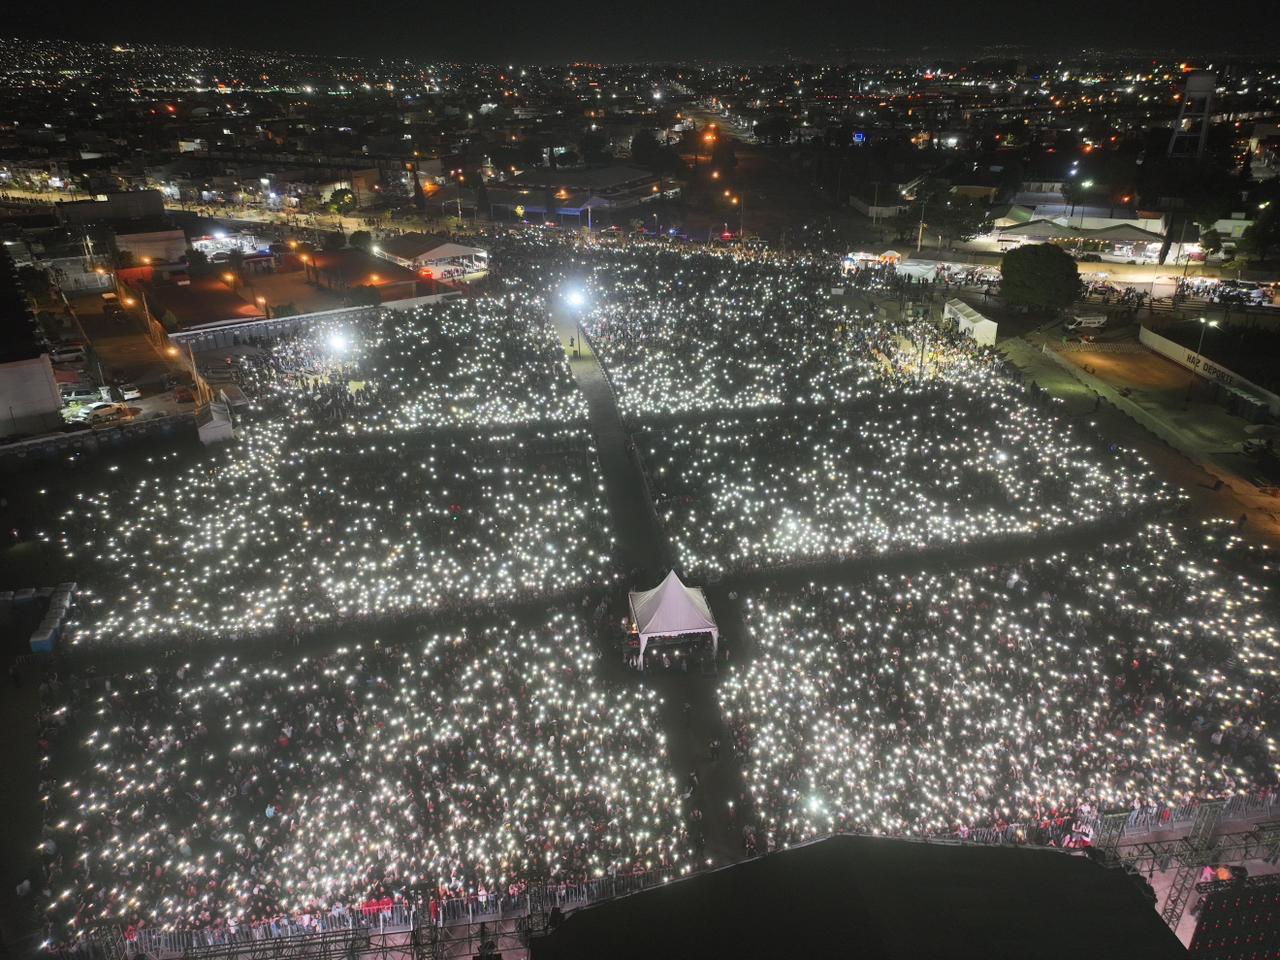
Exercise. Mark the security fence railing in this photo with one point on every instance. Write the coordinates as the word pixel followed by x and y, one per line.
pixel 402 916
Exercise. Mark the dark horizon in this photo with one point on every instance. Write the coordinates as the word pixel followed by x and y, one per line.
pixel 662 30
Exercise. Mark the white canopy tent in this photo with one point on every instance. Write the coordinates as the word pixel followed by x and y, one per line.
pixel 672 609
pixel 971 322
pixel 918 269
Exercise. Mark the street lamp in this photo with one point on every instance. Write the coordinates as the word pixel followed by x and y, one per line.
pixel 576 300
pixel 1204 327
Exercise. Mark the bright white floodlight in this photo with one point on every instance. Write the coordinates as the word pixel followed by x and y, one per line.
pixel 576 298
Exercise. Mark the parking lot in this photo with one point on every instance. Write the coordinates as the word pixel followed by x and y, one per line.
pixel 117 351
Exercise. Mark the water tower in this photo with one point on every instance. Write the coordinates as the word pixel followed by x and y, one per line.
pixel 1191 132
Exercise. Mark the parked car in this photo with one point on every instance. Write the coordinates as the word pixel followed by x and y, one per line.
pixel 96 414
pixel 81 394
pixel 183 395
pixel 129 391
pixel 67 355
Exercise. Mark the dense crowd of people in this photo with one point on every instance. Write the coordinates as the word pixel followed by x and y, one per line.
pixel 940 447
pixel 682 332
pixel 436 458
pixel 441 460
pixel 462 764
pixel 934 703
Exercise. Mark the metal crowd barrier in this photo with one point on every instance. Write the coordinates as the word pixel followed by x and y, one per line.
pixel 404 916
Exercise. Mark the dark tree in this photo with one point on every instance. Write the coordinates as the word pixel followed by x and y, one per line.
pixel 419 195
pixel 34 280
pixel 953 217
pixel 341 200
pixel 1263 235
pixel 594 148
pixel 334 241
pixel 1210 241
pixel 361 240
pixel 644 149
pixel 723 155
pixel 1039 275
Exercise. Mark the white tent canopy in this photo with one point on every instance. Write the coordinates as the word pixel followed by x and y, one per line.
pixel 671 609
pixel 971 322
pixel 451 251
pixel 918 269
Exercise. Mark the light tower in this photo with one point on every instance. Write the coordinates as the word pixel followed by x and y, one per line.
pixel 1191 131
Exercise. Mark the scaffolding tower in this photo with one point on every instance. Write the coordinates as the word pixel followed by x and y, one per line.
pixel 1188 855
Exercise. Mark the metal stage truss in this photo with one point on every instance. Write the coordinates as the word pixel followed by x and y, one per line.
pixel 1190 854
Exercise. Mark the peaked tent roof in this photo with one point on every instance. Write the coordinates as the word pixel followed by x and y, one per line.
pixel 455 250
pixel 1123 232
pixel 671 608
pixel 1042 229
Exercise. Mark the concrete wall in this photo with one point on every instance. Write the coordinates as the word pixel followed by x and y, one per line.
pixel 29 398
pixel 229 333
pixel 881 212
pixel 161 246
pixel 1204 367
pixel 118 206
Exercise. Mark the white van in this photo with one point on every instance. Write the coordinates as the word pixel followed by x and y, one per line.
pixel 1085 323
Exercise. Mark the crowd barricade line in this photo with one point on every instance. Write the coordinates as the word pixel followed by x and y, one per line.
pixel 402 916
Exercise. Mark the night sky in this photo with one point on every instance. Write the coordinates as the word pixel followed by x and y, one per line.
pixel 551 31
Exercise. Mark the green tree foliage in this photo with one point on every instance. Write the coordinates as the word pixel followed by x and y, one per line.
pixel 341 200
pixel 1210 241
pixel 1072 192
pixel 1263 235
pixel 361 240
pixel 1039 275
pixel 334 241
pixel 958 218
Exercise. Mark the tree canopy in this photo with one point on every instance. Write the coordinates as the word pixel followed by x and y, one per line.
pixel 1039 275
pixel 34 280
pixel 360 239
pixel 1263 235
pixel 341 200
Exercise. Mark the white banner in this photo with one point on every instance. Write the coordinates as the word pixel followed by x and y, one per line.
pixel 1204 367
